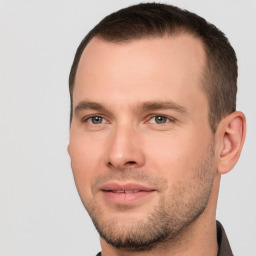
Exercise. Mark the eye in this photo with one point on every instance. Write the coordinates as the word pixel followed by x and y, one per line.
pixel 96 120
pixel 159 120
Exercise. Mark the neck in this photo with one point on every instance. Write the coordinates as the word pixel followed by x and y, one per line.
pixel 197 239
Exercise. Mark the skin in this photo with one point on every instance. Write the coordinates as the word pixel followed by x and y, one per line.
pixel 115 138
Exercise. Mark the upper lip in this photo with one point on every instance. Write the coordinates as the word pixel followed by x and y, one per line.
pixel 118 187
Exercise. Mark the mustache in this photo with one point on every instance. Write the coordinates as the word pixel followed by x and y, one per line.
pixel 131 175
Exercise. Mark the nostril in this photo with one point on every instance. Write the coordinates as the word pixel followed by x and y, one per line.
pixel 122 166
pixel 130 163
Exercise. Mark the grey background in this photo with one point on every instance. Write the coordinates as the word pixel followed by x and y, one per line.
pixel 40 211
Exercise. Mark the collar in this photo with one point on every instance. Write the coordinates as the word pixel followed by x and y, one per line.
pixel 224 246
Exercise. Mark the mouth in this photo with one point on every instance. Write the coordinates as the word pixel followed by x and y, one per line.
pixel 126 194
pixel 123 191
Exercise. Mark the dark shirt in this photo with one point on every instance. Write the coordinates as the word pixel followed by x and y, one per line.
pixel 224 247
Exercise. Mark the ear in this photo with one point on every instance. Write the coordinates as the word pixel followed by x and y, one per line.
pixel 231 135
pixel 68 149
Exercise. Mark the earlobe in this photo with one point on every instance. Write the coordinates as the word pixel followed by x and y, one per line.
pixel 68 149
pixel 231 135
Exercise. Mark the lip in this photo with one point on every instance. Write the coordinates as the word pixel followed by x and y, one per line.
pixel 125 194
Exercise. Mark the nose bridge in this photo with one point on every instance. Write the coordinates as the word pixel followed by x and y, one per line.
pixel 124 150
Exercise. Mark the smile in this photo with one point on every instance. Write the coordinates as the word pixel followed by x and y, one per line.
pixel 124 191
pixel 126 194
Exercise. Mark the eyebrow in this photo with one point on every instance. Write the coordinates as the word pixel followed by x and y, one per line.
pixel 83 105
pixel 161 105
pixel 143 106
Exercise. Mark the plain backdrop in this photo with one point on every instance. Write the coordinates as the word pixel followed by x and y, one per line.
pixel 40 210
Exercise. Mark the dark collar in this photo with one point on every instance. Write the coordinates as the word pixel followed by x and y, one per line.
pixel 224 246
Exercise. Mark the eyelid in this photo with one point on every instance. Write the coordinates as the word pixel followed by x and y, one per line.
pixel 106 120
pixel 170 119
pixel 88 117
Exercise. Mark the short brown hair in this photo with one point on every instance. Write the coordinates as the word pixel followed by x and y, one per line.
pixel 157 20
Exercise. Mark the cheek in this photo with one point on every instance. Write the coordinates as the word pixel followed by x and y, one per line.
pixel 84 162
pixel 175 155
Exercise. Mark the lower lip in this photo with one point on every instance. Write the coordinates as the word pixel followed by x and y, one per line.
pixel 126 198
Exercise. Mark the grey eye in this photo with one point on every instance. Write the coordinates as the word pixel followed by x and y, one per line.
pixel 96 119
pixel 159 119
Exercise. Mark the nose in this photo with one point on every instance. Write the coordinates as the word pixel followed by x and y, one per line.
pixel 125 150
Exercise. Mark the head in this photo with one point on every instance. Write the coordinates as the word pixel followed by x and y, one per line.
pixel 153 123
pixel 219 80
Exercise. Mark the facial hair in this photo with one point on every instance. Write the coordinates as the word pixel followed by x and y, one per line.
pixel 175 210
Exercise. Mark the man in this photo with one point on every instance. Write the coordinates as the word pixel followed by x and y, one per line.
pixel 153 127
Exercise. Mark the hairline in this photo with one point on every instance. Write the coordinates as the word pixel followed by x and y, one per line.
pixel 205 79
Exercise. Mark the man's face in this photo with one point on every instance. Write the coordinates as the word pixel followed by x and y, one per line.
pixel 141 146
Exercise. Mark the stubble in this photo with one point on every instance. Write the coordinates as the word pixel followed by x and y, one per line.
pixel 175 210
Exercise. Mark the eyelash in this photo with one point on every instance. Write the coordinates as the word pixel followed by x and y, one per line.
pixel 86 119
pixel 166 118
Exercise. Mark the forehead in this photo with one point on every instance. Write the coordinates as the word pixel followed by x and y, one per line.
pixel 146 68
